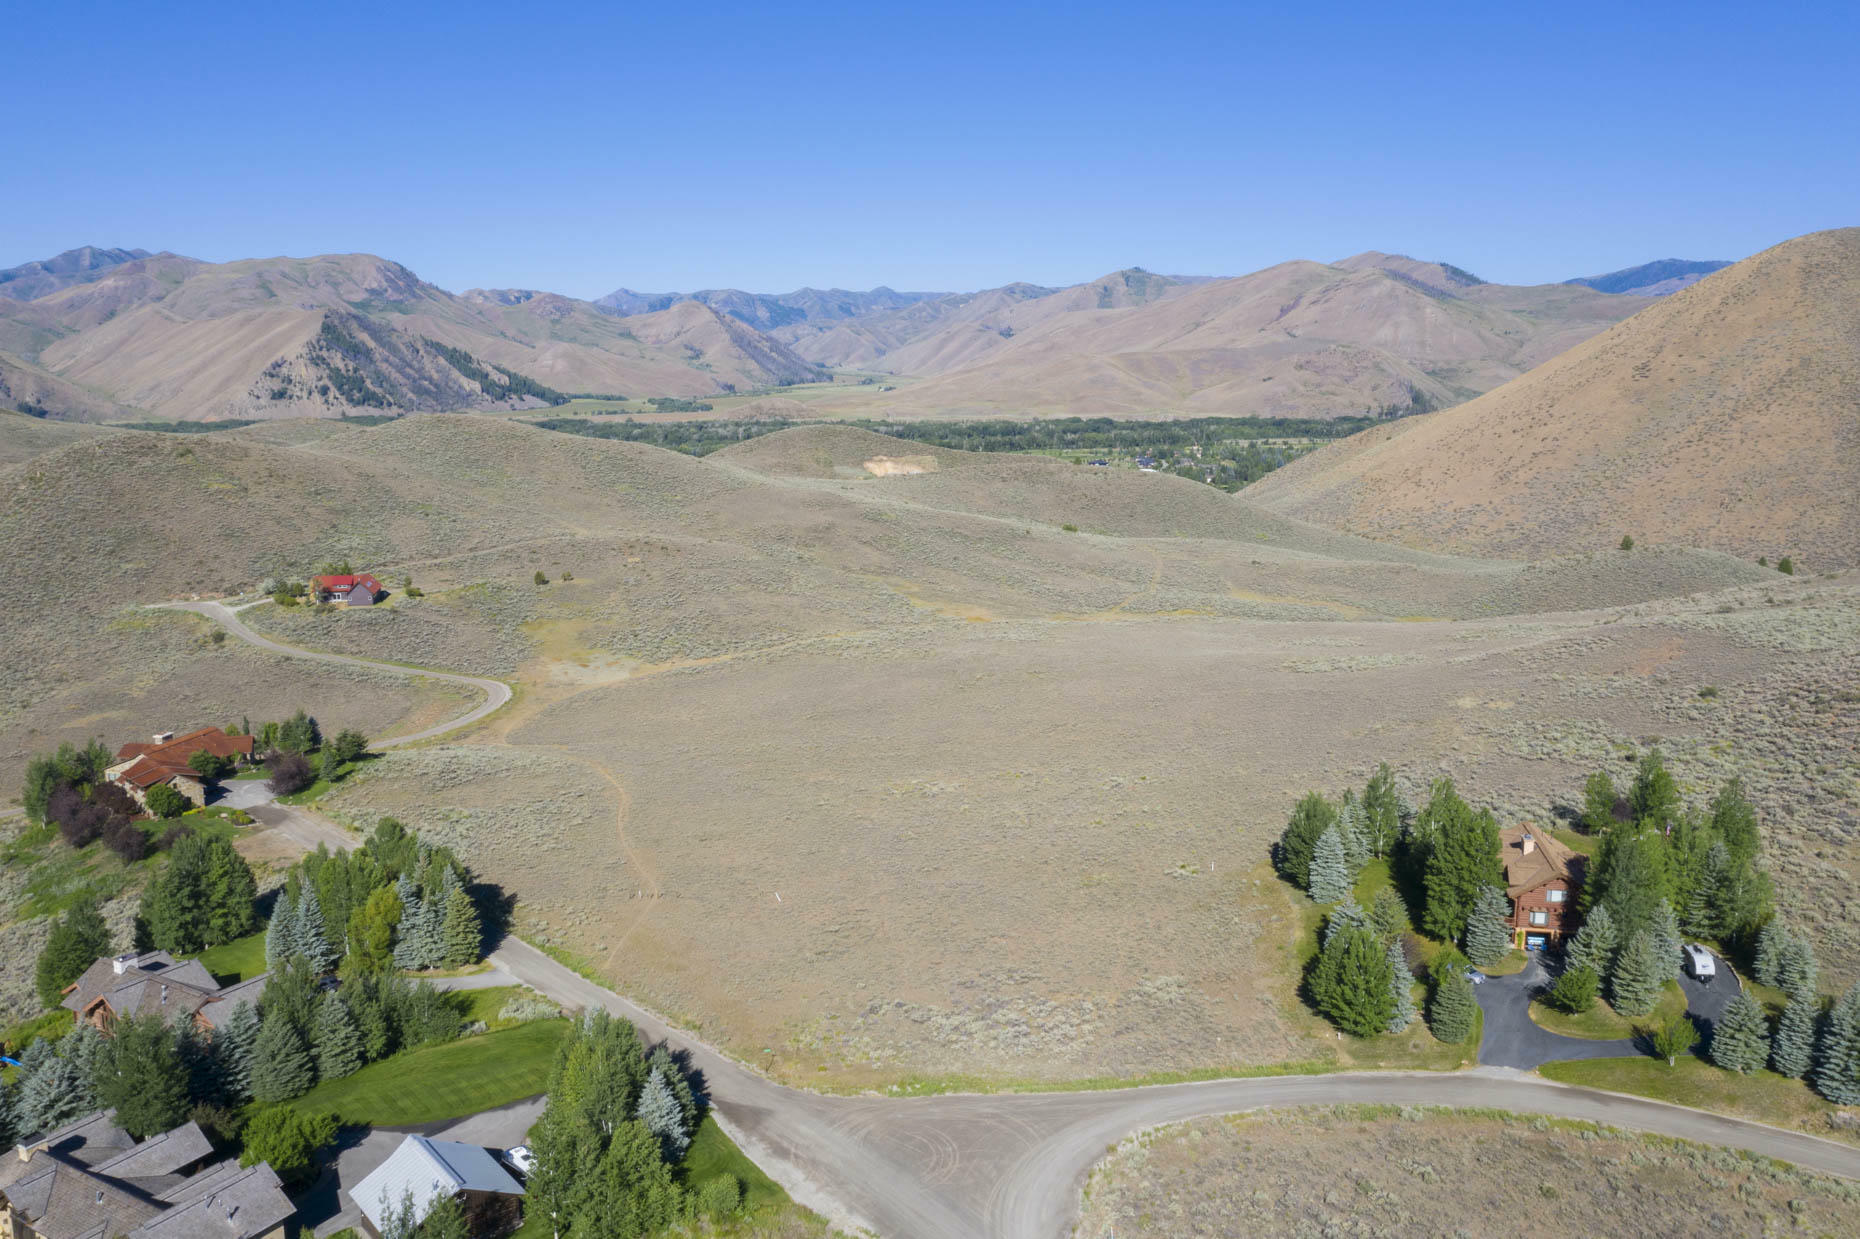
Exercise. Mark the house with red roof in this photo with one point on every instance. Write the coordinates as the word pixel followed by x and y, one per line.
pixel 347 589
pixel 139 766
pixel 1542 878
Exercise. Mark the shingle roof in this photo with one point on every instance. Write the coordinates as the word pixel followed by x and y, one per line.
pixel 159 1155
pixel 63 1200
pixel 426 1171
pixel 226 1201
pixel 93 1138
pixel 156 983
pixel 1548 860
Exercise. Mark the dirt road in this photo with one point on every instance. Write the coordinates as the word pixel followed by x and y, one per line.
pixel 1011 1166
pixel 496 692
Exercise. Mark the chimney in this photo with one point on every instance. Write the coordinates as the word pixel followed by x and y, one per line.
pixel 121 963
pixel 162 737
pixel 1528 844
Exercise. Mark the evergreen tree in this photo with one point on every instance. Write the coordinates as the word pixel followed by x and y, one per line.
pixel 335 1041
pixel 1734 820
pixel 663 1062
pixel 1453 1008
pixel 280 929
pixel 1387 915
pixel 659 1110
pixel 142 1077
pixel 1401 985
pixel 232 894
pixel 77 941
pixel 1599 798
pixel 202 1070
pixel 1351 983
pixel 281 1064
pixel 1792 1051
pixel 87 1050
pixel 1344 916
pixel 310 934
pixel 371 933
pixel 1837 1053
pixel 1353 833
pixel 1703 916
pixel 409 940
pixel 1574 989
pixel 1635 876
pixel 463 934
pixel 1654 798
pixel 1770 942
pixel 1298 843
pixel 1488 937
pixel 1462 860
pixel 1668 947
pixel 1740 1041
pixel 1330 868
pixel 10 1134
pixel 1634 986
pixel 362 996
pixel 52 1091
pixel 1381 812
pixel 1594 944
pixel 1797 972
pixel 234 1044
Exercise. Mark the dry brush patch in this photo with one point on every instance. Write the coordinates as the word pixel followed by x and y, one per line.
pixel 1364 1171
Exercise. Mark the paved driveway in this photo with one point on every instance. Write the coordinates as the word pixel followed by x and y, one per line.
pixel 1513 1039
pixel 245 794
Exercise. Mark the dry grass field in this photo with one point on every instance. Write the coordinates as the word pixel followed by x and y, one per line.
pixel 1413 1173
pixel 873 778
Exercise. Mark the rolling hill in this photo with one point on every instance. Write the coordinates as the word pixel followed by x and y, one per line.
pixel 78 266
pixel 170 338
pixel 1725 416
pixel 1653 279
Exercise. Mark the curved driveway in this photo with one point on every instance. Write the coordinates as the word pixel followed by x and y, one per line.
pixel 1011 1166
pixel 496 692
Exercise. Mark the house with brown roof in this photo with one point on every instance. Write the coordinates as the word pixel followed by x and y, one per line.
pixel 140 766
pixel 347 589
pixel 90 1180
pixel 154 983
pixel 1542 876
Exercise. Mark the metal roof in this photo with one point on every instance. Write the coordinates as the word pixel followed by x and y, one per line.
pixel 426 1171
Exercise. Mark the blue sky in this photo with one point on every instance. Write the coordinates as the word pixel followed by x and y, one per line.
pixel 950 146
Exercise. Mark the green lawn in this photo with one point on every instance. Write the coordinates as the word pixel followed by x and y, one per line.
pixel 1513 962
pixel 712 1153
pixel 484 1004
pixel 238 960
pixel 1763 1096
pixel 443 1081
pixel 1602 1023
pixel 51 1025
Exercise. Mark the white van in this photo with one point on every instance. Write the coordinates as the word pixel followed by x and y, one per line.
pixel 1699 963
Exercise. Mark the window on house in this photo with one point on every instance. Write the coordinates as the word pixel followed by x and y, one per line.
pixel 1540 917
pixel 1556 896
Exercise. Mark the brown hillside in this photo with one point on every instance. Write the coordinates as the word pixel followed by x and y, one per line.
pixel 1726 416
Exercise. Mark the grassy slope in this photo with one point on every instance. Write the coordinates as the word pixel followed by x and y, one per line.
pixel 238 960
pixel 1603 1023
pixel 1763 1096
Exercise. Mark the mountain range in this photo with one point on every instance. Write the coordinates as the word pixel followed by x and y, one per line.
pixel 114 334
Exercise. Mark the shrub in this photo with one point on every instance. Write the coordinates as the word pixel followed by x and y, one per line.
pixel 540 578
pixel 164 801
pixel 1673 1039
pixel 1070 528
pixel 1786 564
pixel 173 835
pixel 125 840
pixel 1575 991
pixel 1627 541
pixel 526 1007
pixel 719 1197
pixel 289 773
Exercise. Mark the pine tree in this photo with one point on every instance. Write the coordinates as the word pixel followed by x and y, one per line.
pixel 1740 1041
pixel 1462 859
pixel 409 944
pixel 464 936
pixel 88 1051
pixel 51 1089
pixel 663 1062
pixel 335 1041
pixel 1635 874
pixel 234 1044
pixel 1598 803
pixel 1770 943
pixel 232 894
pixel 1797 973
pixel 1704 917
pixel 142 1077
pixel 281 1064
pixel 1451 1012
pixel 663 1116
pixel 77 941
pixel 1351 983
pixel 1387 915
pixel 1837 1052
pixel 1594 944
pixel 1330 868
pixel 1488 938
pixel 1792 1051
pixel 1668 947
pixel 1298 842
pixel 280 929
pixel 1634 986
pixel 1343 916
pixel 1401 984
pixel 1654 798
pixel 1352 834
pixel 9 1121
pixel 310 934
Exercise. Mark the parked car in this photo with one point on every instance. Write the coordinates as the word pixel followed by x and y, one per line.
pixel 520 1159
pixel 1700 966
pixel 1475 976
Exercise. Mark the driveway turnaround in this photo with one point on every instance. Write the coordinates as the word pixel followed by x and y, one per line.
pixel 1011 1166
pixel 1513 1039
